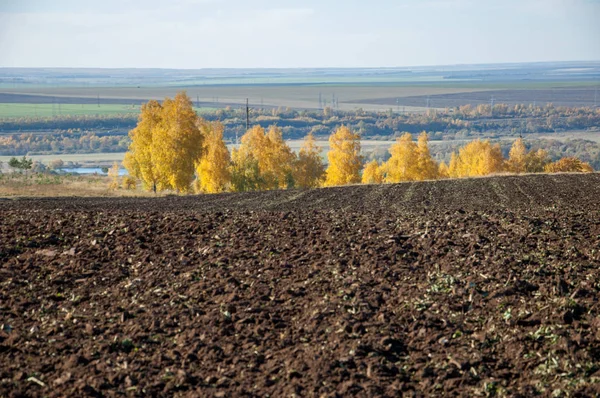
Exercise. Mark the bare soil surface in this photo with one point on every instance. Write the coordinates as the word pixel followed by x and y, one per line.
pixel 574 97
pixel 479 287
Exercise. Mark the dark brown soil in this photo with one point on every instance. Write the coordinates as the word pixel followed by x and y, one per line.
pixel 476 287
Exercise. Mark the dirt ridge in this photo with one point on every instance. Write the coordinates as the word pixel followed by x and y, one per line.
pixel 479 287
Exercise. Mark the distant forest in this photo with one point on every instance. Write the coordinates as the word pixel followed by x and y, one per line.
pixel 94 134
pixel 450 123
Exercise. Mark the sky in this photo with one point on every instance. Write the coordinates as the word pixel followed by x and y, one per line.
pixel 194 34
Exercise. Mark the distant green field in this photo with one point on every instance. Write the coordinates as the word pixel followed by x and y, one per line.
pixel 48 110
pixel 15 110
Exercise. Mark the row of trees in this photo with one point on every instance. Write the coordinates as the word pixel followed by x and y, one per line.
pixel 61 142
pixel 173 149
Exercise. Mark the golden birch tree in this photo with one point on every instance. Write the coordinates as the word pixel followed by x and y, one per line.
pixel 344 158
pixel 477 158
pixel 516 162
pixel 245 173
pixel 372 174
pixel 309 170
pixel 178 143
pixel 139 157
pixel 265 153
pixel 213 169
pixel 113 175
pixel 427 168
pixel 403 164
pixel 535 162
pixel 166 145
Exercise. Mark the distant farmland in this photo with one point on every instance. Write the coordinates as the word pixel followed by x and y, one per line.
pixel 267 96
pixel 402 89
pixel 561 96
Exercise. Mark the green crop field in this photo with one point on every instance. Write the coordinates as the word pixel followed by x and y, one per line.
pixel 16 110
pixel 48 110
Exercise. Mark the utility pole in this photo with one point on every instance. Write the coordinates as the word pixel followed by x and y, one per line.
pixel 247 116
pixel 492 106
pixel 596 97
pixel 428 102
pixel 197 101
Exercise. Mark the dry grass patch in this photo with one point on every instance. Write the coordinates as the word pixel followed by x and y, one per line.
pixel 54 185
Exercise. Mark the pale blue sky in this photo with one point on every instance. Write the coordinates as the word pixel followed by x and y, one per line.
pixel 294 33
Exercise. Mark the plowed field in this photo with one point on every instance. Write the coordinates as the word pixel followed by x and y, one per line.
pixel 451 288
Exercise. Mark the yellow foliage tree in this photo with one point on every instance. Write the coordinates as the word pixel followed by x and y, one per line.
pixel 403 164
pixel 165 145
pixel 265 153
pixel 138 159
pixel 213 169
pixel 178 143
pixel 344 158
pixel 569 165
pixel 372 174
pixel 535 162
pixel 245 173
pixel 278 163
pixel 113 175
pixel 427 168
pixel 477 158
pixel 443 171
pixel 516 157
pixel 309 170
pixel 129 183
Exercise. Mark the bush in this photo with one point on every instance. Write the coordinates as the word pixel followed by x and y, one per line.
pixel 129 183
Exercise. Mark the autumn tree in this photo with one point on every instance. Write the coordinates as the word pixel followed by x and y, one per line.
pixel 245 173
pixel 265 159
pixel 477 158
pixel 213 170
pixel 129 183
pixel 113 177
pixel 139 158
pixel 516 162
pixel 166 145
pixel 569 165
pixel 536 161
pixel 427 168
pixel 177 143
pixel 278 163
pixel 373 173
pixel 344 158
pixel 309 169
pixel 443 171
pixel 403 163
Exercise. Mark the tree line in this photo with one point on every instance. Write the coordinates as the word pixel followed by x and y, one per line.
pixel 172 148
pixel 61 142
pixel 449 123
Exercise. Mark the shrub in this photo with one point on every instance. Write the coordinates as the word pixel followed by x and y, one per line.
pixel 129 183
